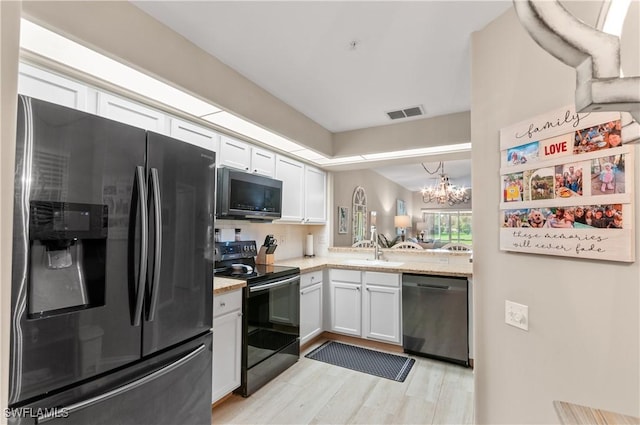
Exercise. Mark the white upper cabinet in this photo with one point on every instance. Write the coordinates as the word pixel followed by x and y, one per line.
pixel 304 197
pixel 263 162
pixel 34 82
pixel 235 154
pixel 195 135
pixel 242 156
pixel 128 112
pixel 315 188
pixel 291 172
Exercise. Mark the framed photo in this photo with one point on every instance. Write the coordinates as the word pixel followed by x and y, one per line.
pixel 343 214
pixel 400 207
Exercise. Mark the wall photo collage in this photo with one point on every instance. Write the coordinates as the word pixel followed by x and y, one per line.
pixel 567 186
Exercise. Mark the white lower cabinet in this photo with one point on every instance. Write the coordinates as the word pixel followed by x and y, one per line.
pixel 310 312
pixel 227 343
pixel 372 312
pixel 382 313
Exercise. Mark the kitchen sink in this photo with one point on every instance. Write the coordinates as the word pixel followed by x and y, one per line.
pixel 377 263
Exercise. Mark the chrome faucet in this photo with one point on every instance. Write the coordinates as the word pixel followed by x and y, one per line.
pixel 377 252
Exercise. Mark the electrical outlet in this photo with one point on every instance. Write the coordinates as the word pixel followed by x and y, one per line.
pixel 516 315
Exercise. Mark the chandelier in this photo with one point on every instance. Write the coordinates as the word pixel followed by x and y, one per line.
pixel 444 192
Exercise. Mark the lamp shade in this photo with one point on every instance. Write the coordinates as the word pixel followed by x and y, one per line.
pixel 402 221
pixel 421 225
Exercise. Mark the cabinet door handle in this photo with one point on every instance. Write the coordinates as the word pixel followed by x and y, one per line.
pixel 358 288
pixel 239 314
pixel 223 304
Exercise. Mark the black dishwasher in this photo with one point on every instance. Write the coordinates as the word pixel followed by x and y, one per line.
pixel 435 317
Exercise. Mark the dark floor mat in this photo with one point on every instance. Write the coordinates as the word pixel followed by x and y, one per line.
pixel 376 363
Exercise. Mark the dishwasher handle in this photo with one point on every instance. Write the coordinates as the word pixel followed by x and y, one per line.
pixel 426 286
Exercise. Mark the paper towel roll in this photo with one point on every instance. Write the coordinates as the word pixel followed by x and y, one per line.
pixel 227 235
pixel 309 245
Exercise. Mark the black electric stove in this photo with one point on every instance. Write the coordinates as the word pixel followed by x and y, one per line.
pixel 271 313
pixel 236 260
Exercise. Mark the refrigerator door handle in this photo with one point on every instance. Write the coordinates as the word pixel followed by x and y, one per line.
pixel 123 389
pixel 155 290
pixel 144 245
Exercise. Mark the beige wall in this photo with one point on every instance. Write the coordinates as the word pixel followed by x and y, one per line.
pixel 9 36
pixel 381 197
pixel 583 340
pixel 443 130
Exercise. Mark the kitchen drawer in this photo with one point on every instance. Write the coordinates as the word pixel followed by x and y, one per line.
pixel 309 279
pixel 227 302
pixel 382 279
pixel 351 276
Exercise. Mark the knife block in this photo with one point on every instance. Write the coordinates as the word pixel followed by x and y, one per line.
pixel 263 257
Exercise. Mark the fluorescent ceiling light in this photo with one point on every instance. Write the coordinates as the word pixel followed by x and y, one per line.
pixel 343 160
pixel 309 155
pixel 432 150
pixel 616 15
pixel 48 44
pixel 244 127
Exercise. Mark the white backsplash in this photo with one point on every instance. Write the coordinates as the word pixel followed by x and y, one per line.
pixel 291 237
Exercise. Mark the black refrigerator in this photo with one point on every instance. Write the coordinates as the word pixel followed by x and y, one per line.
pixel 112 278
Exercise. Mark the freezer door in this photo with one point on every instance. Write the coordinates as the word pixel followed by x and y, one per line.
pixel 73 271
pixel 174 389
pixel 181 214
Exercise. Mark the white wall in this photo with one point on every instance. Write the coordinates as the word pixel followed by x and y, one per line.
pixel 291 237
pixel 583 339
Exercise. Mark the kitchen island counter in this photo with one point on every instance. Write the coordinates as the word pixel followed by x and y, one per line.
pixel 312 264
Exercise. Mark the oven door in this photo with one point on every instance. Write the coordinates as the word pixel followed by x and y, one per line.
pixel 273 318
pixel 271 340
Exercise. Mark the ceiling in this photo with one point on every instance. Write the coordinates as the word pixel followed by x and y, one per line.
pixel 344 64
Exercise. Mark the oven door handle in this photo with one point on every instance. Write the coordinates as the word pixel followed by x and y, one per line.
pixel 273 284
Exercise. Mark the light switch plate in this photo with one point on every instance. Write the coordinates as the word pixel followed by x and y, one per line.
pixel 516 315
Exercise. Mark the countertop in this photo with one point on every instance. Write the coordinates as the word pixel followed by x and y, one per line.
pixel 318 263
pixel 223 284
pixel 307 265
pixel 570 413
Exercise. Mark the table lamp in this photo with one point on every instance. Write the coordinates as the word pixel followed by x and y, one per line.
pixel 402 221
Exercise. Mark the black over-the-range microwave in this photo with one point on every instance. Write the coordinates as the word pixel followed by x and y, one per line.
pixel 246 196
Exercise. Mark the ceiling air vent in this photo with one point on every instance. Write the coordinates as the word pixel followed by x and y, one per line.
pixel 413 111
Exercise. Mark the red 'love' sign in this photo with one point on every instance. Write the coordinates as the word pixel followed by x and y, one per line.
pixel 555 148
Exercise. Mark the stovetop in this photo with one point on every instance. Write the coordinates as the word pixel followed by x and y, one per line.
pixel 232 257
pixel 260 272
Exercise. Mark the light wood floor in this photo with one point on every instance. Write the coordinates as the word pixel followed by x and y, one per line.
pixel 312 392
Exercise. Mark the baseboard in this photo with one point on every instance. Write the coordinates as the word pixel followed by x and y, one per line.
pixel 222 400
pixel 392 348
